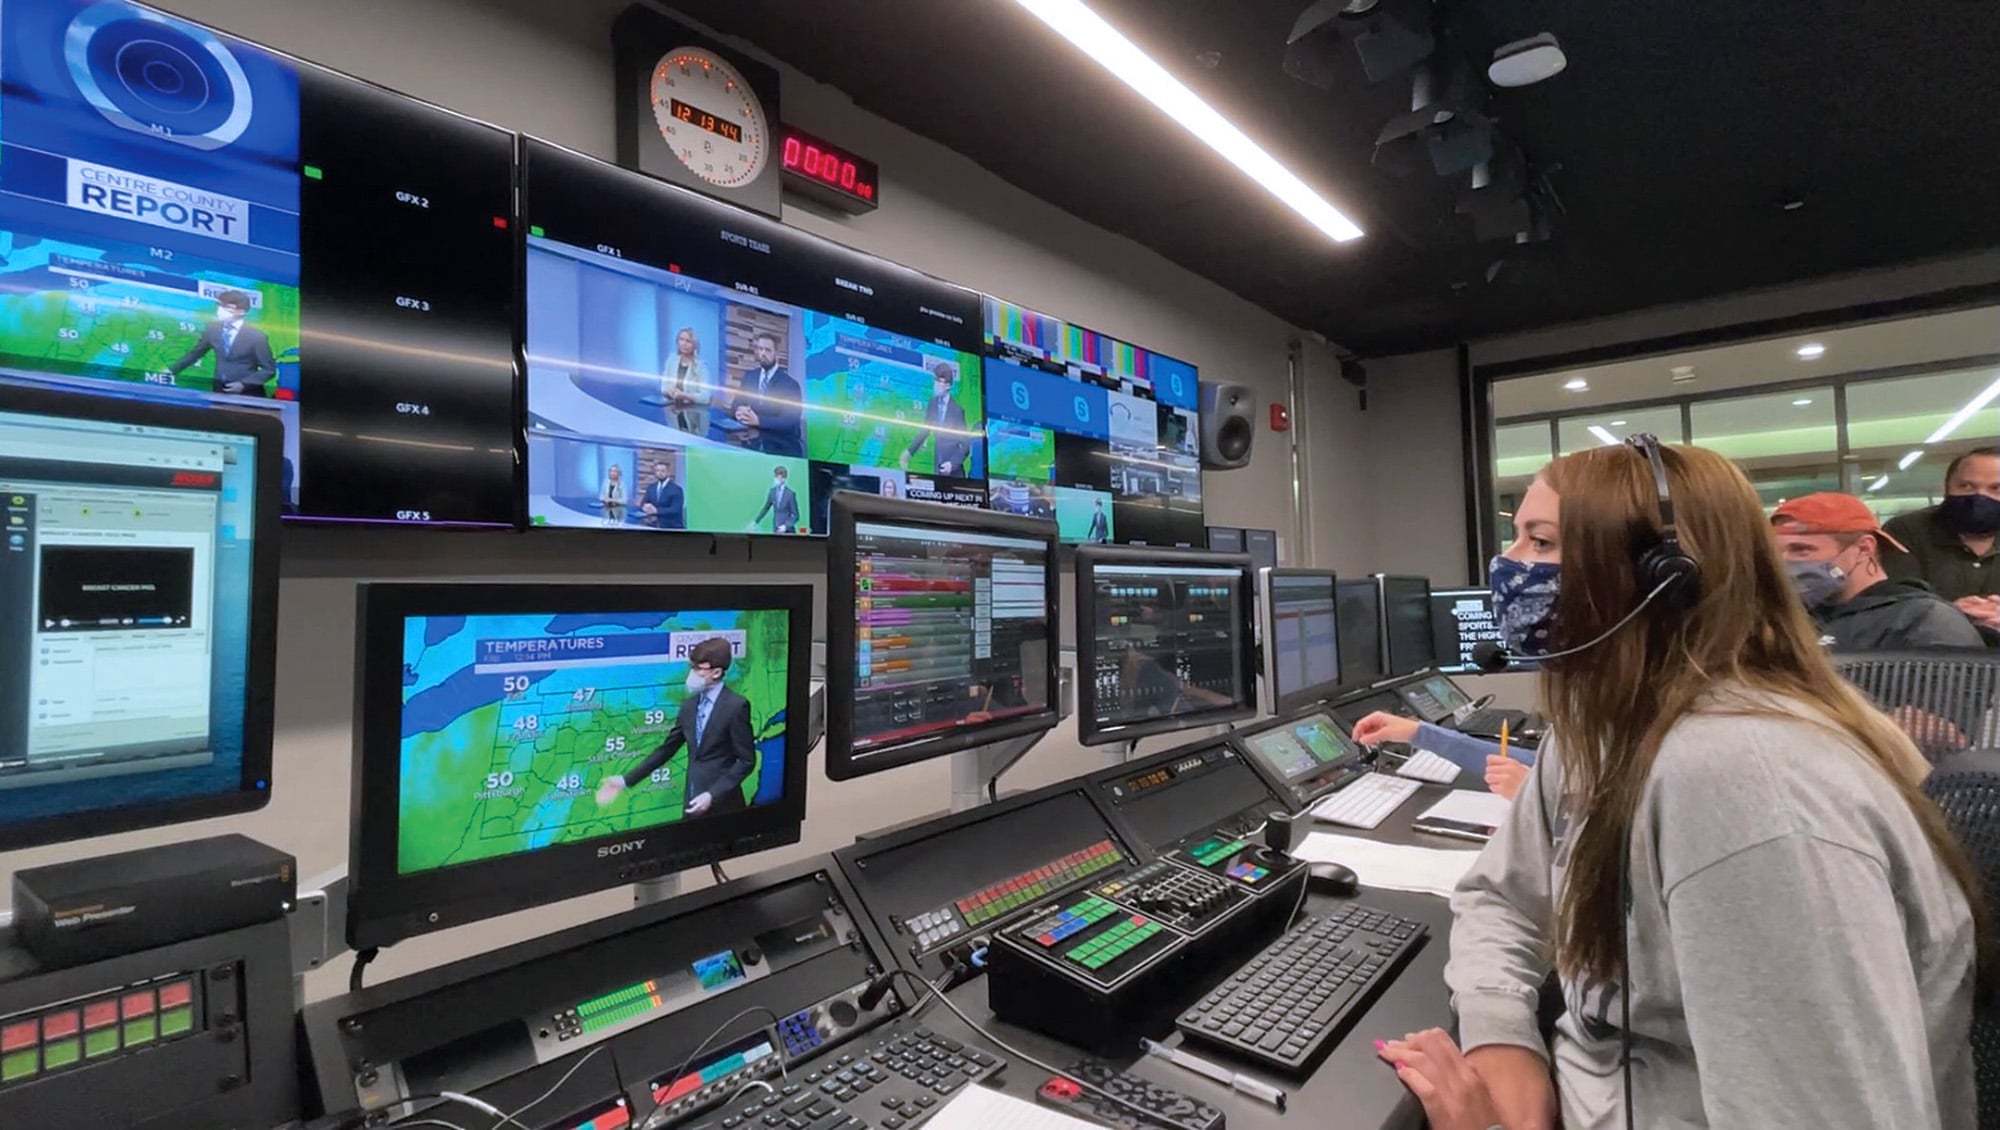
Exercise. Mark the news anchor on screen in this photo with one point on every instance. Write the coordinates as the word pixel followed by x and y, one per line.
pixel 1100 527
pixel 945 419
pixel 772 402
pixel 242 353
pixel 781 502
pixel 714 727
pixel 664 504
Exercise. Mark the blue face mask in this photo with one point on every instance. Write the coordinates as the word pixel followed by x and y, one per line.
pixel 1524 602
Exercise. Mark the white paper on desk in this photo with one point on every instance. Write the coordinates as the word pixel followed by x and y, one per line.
pixel 979 1108
pixel 1392 867
pixel 1487 810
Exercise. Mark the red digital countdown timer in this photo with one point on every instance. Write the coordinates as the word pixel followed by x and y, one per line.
pixel 836 177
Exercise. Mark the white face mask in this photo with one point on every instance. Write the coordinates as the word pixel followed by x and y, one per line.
pixel 697 682
pixel 230 317
pixel 778 483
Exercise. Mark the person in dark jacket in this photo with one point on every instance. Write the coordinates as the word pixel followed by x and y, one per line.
pixel 1833 546
pixel 1955 545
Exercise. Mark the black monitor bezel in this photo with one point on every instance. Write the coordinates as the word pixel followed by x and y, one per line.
pixel 1267 579
pixel 1088 558
pixel 1391 667
pixel 385 907
pixel 260 662
pixel 846 509
pixel 1240 737
pixel 1348 683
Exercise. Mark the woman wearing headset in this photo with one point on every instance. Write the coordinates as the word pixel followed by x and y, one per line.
pixel 1802 926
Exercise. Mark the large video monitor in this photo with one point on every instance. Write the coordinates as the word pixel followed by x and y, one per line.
pixel 1461 620
pixel 1407 646
pixel 1301 636
pixel 941 631
pixel 1163 641
pixel 519 744
pixel 139 583
pixel 692 366
pixel 1358 607
pixel 1098 434
pixel 188 218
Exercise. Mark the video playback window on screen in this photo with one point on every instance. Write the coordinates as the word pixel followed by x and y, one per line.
pixel 1301 636
pixel 180 210
pixel 126 573
pixel 695 367
pixel 1162 641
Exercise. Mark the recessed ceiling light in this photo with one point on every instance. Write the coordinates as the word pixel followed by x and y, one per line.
pixel 1075 22
pixel 1912 457
pixel 1810 351
pixel 1617 423
pixel 1802 401
pixel 1576 384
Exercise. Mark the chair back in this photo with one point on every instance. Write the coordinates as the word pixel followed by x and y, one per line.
pixel 1970 799
pixel 1946 701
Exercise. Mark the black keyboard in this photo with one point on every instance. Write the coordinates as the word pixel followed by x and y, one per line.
pixel 1487 721
pixel 898 1082
pixel 1290 1003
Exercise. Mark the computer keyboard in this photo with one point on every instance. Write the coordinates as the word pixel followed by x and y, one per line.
pixel 1488 720
pixel 1366 802
pixel 899 1082
pixel 1291 1002
pixel 1424 765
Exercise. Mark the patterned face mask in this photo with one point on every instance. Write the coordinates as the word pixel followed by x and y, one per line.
pixel 1524 601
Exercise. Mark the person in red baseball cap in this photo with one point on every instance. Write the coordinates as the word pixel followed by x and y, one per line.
pixel 1832 544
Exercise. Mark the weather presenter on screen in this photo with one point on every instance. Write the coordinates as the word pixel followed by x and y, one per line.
pixel 714 727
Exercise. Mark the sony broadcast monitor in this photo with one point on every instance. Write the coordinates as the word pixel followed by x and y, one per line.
pixel 189 218
pixel 941 631
pixel 520 744
pixel 1406 624
pixel 139 583
pixel 1301 636
pixel 1163 641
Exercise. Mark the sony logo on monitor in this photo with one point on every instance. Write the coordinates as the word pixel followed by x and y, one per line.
pixel 609 850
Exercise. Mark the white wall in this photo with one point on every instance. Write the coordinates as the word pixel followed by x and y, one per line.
pixel 544 67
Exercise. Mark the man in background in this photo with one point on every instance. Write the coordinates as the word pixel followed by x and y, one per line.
pixel 664 504
pixel 714 727
pixel 1100 526
pixel 945 419
pixel 1834 548
pixel 243 359
pixel 771 402
pixel 1952 546
pixel 781 502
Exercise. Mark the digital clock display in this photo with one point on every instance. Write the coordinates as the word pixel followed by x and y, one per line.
pixel 827 172
pixel 702 119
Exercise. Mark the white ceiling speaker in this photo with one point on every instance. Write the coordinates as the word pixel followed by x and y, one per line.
pixel 1526 62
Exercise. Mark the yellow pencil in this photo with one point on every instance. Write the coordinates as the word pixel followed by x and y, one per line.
pixel 1503 741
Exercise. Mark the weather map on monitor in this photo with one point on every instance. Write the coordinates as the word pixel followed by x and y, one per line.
pixel 180 211
pixel 693 367
pixel 1096 433
pixel 523 731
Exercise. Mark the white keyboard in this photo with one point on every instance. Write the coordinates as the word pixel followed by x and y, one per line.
pixel 1366 802
pixel 1427 766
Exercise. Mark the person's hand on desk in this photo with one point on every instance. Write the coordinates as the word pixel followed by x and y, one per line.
pixel 1382 727
pixel 1504 775
pixel 1488 1087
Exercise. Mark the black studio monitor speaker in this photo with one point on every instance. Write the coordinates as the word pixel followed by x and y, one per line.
pixel 1228 425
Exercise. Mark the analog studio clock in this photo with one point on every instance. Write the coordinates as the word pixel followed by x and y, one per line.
pixel 694 112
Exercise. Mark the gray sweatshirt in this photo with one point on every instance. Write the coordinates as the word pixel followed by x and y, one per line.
pixel 1799 959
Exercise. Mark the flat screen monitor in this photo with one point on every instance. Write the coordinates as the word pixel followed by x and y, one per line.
pixel 1406 624
pixel 1461 620
pixel 692 366
pixel 1298 748
pixel 1301 636
pixel 1226 539
pixel 1359 610
pixel 1163 641
pixel 941 631
pixel 186 217
pixel 139 582
pixel 1098 434
pixel 519 744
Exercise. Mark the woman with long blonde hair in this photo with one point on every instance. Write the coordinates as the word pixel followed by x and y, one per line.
pixel 1756 917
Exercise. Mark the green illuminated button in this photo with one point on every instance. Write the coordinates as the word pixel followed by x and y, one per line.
pixel 99 1043
pixel 60 1053
pixel 313 172
pixel 177 1022
pixel 535 230
pixel 19 1065
pixel 142 1031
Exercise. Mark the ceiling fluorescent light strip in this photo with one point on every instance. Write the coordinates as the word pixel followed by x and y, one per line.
pixel 1604 437
pixel 1971 408
pixel 1912 457
pixel 1075 22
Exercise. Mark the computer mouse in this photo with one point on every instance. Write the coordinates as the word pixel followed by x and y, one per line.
pixel 1332 879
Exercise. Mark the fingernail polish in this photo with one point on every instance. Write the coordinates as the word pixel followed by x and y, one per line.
pixel 1379 1045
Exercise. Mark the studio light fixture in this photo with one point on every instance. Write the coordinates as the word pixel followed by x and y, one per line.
pixel 1810 351
pixel 1089 32
pixel 1526 62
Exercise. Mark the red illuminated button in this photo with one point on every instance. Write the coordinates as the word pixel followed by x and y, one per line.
pixel 14 1037
pixel 137 1004
pixel 97 1014
pixel 59 1025
pixel 177 994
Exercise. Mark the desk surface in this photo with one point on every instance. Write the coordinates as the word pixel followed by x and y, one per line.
pixel 1350 1087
